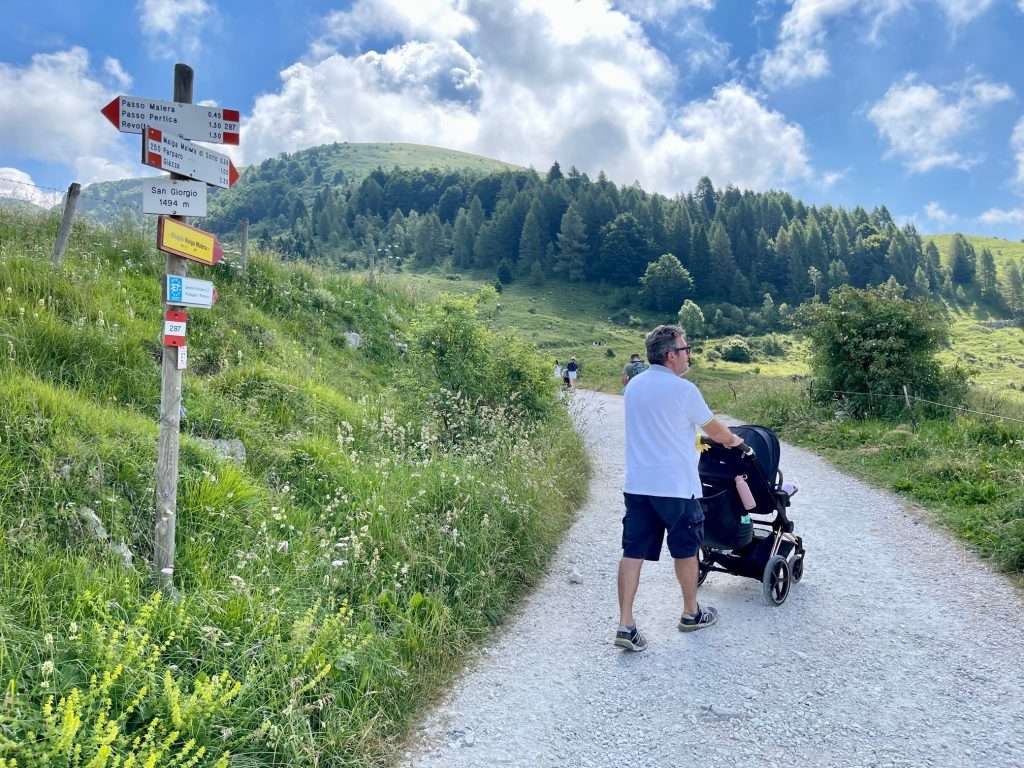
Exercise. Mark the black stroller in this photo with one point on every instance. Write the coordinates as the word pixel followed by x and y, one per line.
pixel 758 543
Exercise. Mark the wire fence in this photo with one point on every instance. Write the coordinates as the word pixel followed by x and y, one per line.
pixel 19 182
pixel 901 396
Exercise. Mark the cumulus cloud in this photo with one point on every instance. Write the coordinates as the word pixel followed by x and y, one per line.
pixel 1002 216
pixel 1017 143
pixel 937 213
pixel 653 10
pixel 922 124
pixel 960 12
pixel 113 68
pixel 173 26
pixel 17 184
pixel 732 132
pixel 63 99
pixel 529 82
pixel 801 53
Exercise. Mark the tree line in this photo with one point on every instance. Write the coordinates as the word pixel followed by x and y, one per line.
pixel 727 247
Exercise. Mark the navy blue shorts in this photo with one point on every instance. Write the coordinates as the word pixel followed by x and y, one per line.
pixel 647 520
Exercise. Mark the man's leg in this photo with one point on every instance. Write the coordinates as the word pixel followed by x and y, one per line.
pixel 629 581
pixel 686 573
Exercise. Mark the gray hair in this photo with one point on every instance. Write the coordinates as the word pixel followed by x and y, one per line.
pixel 660 341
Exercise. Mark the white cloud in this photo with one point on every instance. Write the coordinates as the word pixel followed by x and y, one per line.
pixel 960 12
pixel 655 10
pixel 922 123
pixel 803 34
pixel 173 27
pixel 50 111
pixel 1002 216
pixel 733 138
pixel 529 82
pixel 937 213
pixel 17 184
pixel 113 68
pixel 801 53
pixel 1017 143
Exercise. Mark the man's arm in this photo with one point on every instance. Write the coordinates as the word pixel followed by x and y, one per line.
pixel 720 433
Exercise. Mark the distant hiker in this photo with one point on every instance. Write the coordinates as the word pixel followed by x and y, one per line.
pixel 558 369
pixel 565 378
pixel 572 369
pixel 633 367
pixel 662 492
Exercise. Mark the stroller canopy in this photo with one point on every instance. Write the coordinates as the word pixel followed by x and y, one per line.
pixel 718 463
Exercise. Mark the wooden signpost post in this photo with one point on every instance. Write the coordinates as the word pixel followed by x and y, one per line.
pixel 167 128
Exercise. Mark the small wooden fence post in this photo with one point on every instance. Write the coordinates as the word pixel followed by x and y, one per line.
pixel 70 202
pixel 910 408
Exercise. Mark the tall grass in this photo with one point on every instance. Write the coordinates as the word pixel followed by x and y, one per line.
pixel 967 468
pixel 382 523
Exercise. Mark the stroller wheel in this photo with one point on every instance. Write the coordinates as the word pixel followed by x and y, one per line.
pixel 703 565
pixel 797 569
pixel 776 580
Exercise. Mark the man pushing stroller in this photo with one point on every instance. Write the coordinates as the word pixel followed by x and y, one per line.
pixel 664 414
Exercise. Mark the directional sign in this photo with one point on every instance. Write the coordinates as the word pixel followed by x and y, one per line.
pixel 131 114
pixel 181 198
pixel 178 238
pixel 175 325
pixel 189 292
pixel 173 153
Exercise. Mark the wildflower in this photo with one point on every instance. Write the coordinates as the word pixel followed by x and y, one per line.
pixel 47 668
pixel 282 547
pixel 238 581
pixel 338 563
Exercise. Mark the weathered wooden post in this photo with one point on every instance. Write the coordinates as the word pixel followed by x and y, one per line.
pixel 244 238
pixel 910 408
pixel 70 202
pixel 170 407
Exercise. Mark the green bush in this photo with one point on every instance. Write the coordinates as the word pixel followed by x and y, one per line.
pixel 868 343
pixel 736 350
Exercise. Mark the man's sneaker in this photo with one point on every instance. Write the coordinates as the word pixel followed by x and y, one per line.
pixel 630 639
pixel 704 617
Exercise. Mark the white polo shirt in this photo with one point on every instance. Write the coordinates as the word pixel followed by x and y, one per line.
pixel 663 415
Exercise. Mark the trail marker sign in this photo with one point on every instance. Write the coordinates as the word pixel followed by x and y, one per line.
pixel 170 152
pixel 188 292
pixel 179 239
pixel 178 198
pixel 131 114
pixel 175 326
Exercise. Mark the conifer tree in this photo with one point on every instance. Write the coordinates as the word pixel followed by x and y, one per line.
pixel 1014 290
pixel 531 244
pixel 462 241
pixel 988 284
pixel 572 246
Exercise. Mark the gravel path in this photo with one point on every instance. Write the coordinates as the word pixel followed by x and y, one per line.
pixel 897 649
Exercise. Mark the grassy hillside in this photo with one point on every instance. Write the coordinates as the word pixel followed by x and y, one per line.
pixel 109 201
pixel 1002 250
pixel 390 508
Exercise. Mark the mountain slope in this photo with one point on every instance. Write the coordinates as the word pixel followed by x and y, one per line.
pixel 338 163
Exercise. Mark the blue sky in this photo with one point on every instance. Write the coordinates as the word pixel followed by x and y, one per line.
pixel 915 104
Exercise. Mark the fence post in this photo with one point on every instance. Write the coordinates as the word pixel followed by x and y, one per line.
pixel 165 521
pixel 244 238
pixel 913 418
pixel 70 202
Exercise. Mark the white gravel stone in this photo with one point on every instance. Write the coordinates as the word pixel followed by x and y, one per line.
pixel 898 648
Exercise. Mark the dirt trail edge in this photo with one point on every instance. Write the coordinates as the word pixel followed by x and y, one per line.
pixel 898 648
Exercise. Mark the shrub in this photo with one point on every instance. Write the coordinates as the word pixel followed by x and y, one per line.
pixel 736 350
pixel 619 317
pixel 609 352
pixel 868 343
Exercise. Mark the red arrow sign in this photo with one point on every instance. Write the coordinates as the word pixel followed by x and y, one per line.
pixel 131 114
pixel 169 152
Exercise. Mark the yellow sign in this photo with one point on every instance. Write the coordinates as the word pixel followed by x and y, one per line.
pixel 177 238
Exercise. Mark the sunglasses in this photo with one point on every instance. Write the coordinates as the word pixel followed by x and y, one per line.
pixel 685 349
